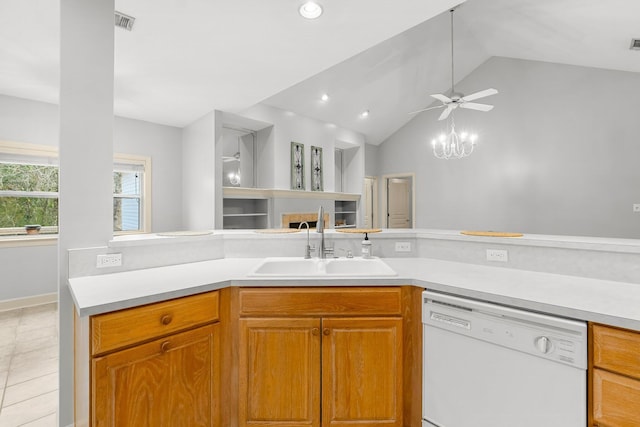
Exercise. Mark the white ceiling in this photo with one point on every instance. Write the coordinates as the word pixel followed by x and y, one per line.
pixel 188 57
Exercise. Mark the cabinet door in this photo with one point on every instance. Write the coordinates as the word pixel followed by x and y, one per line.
pixel 616 400
pixel 167 382
pixel 362 372
pixel 279 372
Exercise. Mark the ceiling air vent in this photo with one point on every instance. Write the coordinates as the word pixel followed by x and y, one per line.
pixel 124 21
pixel 635 44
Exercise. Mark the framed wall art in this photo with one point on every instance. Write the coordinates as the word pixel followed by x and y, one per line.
pixel 297 166
pixel 316 169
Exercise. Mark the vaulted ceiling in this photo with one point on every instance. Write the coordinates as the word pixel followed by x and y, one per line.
pixel 186 58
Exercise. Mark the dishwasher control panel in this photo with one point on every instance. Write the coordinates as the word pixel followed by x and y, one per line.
pixel 554 338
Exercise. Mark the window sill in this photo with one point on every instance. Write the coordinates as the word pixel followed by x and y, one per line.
pixel 25 241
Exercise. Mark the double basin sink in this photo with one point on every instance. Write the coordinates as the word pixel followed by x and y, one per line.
pixel 360 267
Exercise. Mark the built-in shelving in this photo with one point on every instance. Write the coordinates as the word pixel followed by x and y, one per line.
pixel 243 213
pixel 345 214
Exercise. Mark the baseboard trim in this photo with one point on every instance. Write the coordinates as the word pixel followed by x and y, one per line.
pixel 14 304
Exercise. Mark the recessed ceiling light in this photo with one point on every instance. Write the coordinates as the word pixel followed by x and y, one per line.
pixel 324 97
pixel 364 114
pixel 310 10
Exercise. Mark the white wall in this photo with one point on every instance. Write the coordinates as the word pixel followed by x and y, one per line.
pixel 36 122
pixel 163 145
pixel 557 155
pixel 290 127
pixel 199 173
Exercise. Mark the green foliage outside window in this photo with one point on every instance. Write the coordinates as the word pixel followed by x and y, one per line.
pixel 20 210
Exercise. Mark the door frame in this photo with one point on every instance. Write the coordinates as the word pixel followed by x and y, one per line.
pixel 385 196
pixel 374 201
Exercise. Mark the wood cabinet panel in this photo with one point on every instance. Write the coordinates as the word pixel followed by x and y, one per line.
pixel 166 382
pixel 352 301
pixel 123 328
pixel 616 400
pixel 362 372
pixel 617 350
pixel 279 372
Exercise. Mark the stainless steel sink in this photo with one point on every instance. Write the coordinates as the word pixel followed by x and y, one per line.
pixel 353 267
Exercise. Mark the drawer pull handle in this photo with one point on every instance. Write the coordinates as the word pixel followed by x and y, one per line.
pixel 164 347
pixel 326 331
pixel 166 319
pixel 315 331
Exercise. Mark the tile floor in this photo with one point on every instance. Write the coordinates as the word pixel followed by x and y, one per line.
pixel 29 367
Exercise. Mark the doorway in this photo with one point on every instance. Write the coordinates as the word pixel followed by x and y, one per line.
pixel 399 203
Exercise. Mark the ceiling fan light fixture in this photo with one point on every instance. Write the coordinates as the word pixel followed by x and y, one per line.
pixel 310 10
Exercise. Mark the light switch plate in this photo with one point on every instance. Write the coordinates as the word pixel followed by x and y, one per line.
pixel 497 255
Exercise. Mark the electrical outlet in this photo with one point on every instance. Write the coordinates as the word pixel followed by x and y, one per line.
pixel 403 246
pixel 497 255
pixel 109 260
pixel 636 207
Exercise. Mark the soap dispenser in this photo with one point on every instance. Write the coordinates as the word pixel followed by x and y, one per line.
pixel 366 247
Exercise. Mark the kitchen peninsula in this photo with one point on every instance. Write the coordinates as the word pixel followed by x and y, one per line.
pixel 241 301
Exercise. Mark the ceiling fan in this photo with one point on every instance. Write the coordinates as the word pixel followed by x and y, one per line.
pixel 235 157
pixel 456 99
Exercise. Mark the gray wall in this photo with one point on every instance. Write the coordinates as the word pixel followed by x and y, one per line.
pixel 557 155
pixel 35 122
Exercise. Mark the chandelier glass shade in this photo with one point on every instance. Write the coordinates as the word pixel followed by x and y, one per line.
pixel 453 145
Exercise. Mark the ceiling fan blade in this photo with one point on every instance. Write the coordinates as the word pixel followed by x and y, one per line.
pixel 446 113
pixel 441 97
pixel 481 94
pixel 476 106
pixel 425 109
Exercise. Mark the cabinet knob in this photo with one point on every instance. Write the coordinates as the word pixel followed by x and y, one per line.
pixel 164 347
pixel 166 319
pixel 315 331
pixel 326 331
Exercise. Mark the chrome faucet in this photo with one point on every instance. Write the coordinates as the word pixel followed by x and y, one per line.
pixel 307 249
pixel 320 229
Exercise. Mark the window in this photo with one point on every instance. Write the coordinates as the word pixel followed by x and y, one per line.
pixel 29 190
pixel 131 182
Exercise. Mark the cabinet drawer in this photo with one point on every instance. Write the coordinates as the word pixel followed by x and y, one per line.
pixel 320 301
pixel 616 350
pixel 616 400
pixel 118 329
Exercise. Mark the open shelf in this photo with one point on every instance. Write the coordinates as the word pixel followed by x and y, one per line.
pixel 241 213
pixel 345 214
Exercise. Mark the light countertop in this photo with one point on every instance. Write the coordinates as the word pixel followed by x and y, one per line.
pixel 602 301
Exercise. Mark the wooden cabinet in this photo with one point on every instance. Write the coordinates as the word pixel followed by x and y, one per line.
pixel 614 377
pixel 279 372
pixel 156 365
pixel 321 357
pixel 362 371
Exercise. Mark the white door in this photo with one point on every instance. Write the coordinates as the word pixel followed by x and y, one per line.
pixel 399 203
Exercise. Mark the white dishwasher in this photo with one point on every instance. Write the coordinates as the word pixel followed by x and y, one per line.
pixel 486 365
